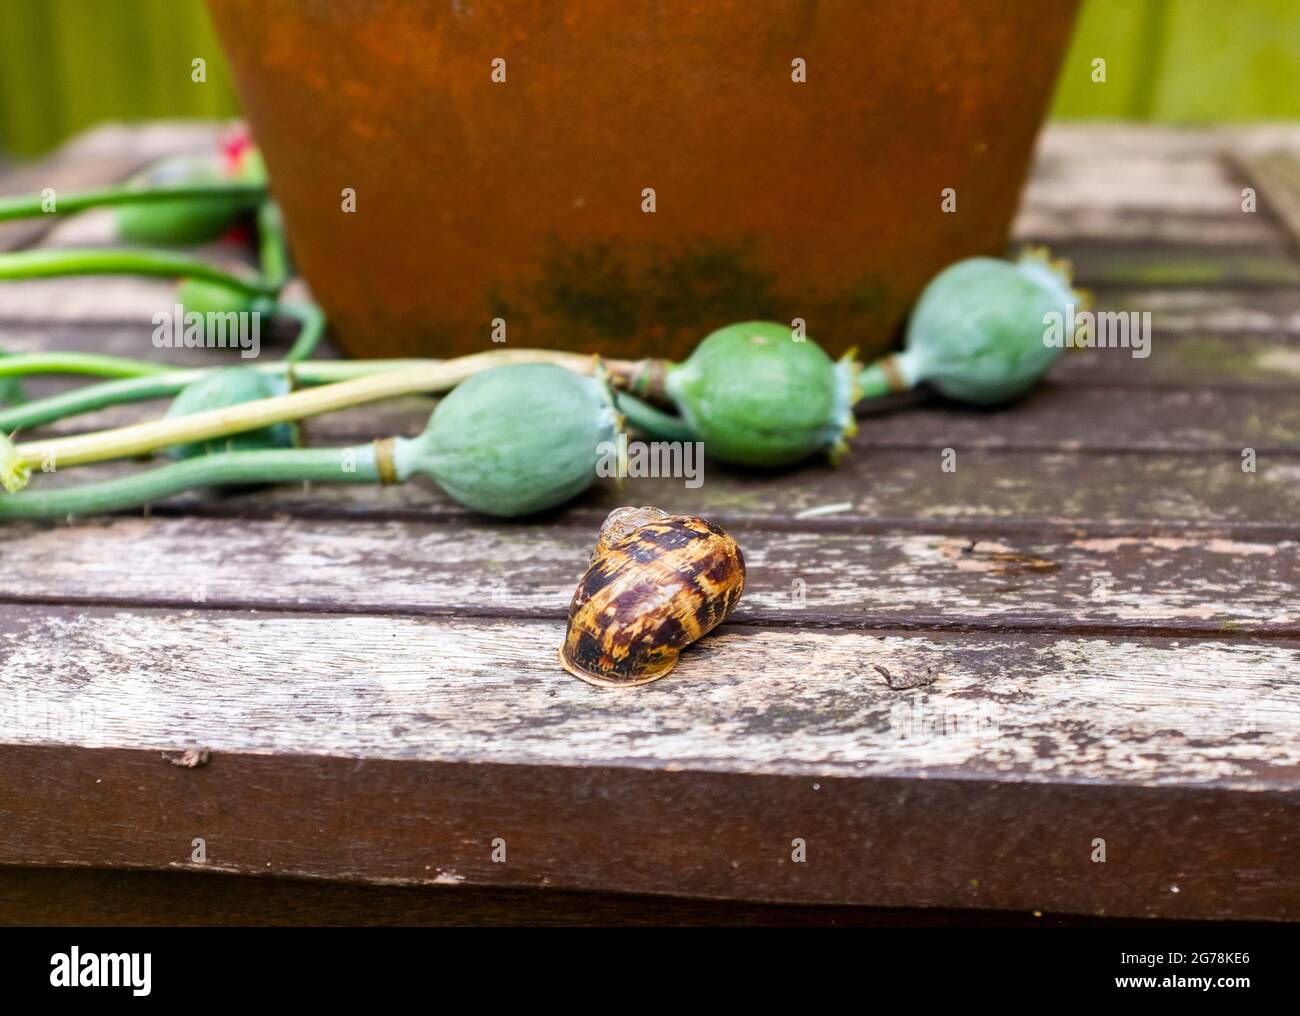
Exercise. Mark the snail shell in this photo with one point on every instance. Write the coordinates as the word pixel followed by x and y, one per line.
pixel 656 583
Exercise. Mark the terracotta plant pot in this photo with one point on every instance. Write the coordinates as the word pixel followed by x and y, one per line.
pixel 525 199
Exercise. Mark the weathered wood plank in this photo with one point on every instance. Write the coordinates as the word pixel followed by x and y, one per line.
pixel 1081 143
pixel 1183 361
pixel 1276 173
pixel 1150 198
pixel 1137 710
pixel 76 897
pixel 1060 417
pixel 993 492
pixel 1052 222
pixel 1217 312
pixel 408 745
pixel 870 841
pixel 1148 184
pixel 1111 263
pixel 1192 584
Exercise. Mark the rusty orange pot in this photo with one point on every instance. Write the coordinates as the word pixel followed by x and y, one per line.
pixel 527 199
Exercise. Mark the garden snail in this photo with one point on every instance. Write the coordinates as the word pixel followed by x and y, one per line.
pixel 656 583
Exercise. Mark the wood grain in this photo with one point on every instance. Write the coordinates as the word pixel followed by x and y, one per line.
pixel 1039 707
pixel 1147 184
pixel 394 750
pixel 1171 853
pixel 925 581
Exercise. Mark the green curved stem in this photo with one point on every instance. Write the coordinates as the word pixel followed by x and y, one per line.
pixel 103 365
pixel 905 366
pixel 38 264
pixel 873 382
pixel 312 320
pixel 272 250
pixel 90 398
pixel 648 420
pixel 319 465
pixel 95 364
pixel 30 206
pixel 317 372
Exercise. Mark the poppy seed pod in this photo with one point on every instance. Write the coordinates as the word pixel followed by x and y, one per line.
pixel 979 332
pixel 759 395
pixel 203 296
pixel 515 440
pixel 213 302
pixel 190 220
pixel 230 387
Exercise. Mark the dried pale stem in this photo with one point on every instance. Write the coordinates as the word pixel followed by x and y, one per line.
pixel 142 438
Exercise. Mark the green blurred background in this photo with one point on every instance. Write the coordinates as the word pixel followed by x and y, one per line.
pixel 67 64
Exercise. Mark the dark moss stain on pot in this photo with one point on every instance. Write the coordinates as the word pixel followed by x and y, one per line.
pixel 599 298
pixel 601 292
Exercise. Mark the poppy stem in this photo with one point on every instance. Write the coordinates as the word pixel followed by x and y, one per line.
pixel 141 438
pixel 39 264
pixel 652 422
pixel 312 321
pixel 94 364
pixel 154 385
pixel 892 373
pixel 356 464
pixel 33 205
pixel 272 249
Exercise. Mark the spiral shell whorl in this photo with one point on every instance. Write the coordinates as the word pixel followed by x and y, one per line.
pixel 656 583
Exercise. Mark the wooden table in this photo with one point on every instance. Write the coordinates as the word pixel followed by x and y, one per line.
pixel 955 688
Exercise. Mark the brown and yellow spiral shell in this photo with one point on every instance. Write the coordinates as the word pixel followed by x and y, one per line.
pixel 656 583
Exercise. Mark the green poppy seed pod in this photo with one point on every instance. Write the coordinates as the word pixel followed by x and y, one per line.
pixel 202 296
pixel 980 332
pixel 230 387
pixel 207 298
pixel 515 440
pixel 758 395
pixel 192 220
